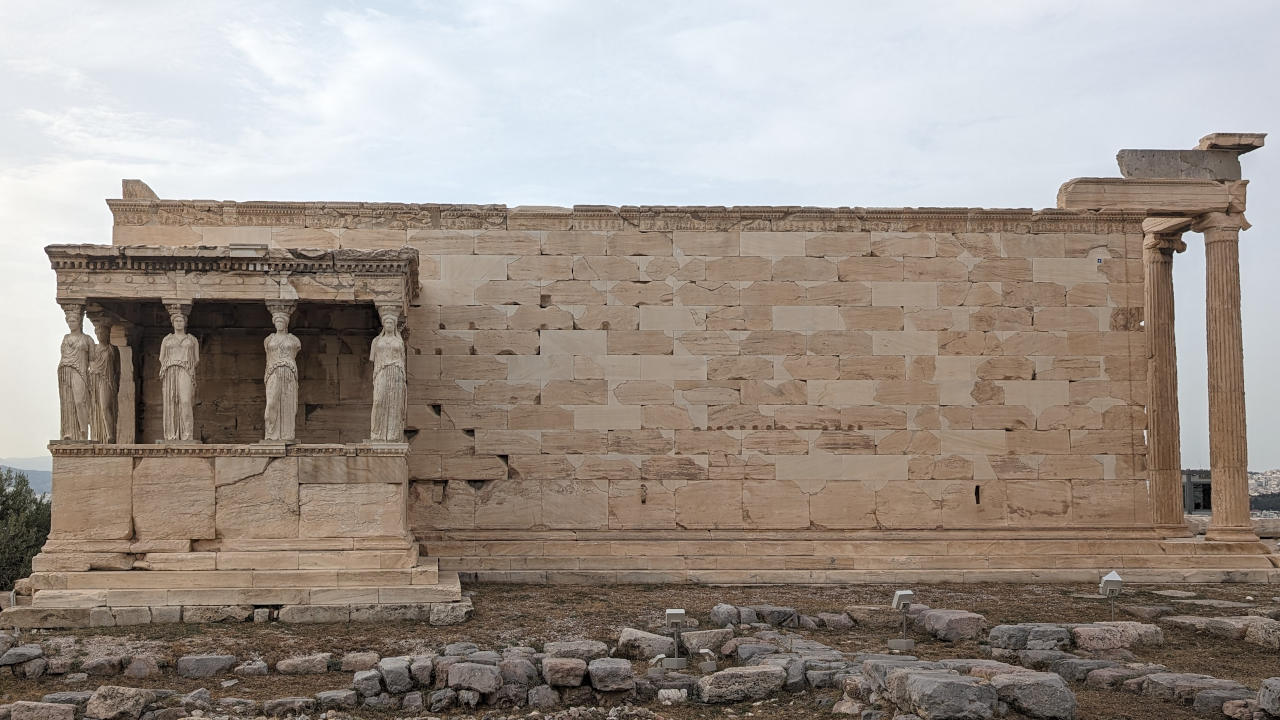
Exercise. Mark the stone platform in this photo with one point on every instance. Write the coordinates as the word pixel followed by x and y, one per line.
pixel 838 558
pixel 189 532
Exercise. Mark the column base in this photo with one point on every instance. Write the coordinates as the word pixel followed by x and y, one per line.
pixel 1220 533
pixel 1177 530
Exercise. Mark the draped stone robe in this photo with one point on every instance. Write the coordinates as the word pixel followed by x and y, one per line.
pixel 73 386
pixel 390 393
pixel 179 356
pixel 281 381
pixel 104 385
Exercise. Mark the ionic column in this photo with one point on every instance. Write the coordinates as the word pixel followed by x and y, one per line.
pixel 1228 447
pixel 1164 453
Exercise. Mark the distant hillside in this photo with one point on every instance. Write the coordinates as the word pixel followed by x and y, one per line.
pixel 41 480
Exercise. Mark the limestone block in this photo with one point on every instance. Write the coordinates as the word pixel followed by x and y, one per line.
pixel 644 342
pixel 637 504
pixel 905 343
pixel 904 294
pixel 807 319
pixel 508 503
pixel 173 498
pixel 747 268
pixel 92 498
pixel 637 243
pixel 351 510
pixel 1034 503
pixel 256 497
pixel 714 244
pixel 572 504
pixel 709 504
pixel 775 504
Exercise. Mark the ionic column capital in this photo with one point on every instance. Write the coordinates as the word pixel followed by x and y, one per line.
pixel 1220 224
pixel 1164 243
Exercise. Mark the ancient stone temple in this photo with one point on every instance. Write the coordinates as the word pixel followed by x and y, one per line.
pixel 342 405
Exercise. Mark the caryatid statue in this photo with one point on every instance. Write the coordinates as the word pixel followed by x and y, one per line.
pixel 179 356
pixel 104 383
pixel 281 376
pixel 73 376
pixel 390 391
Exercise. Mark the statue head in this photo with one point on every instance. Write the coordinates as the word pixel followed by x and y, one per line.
pixel 390 322
pixel 103 331
pixel 179 322
pixel 281 321
pixel 75 317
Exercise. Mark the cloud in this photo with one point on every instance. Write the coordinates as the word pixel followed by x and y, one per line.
pixel 987 103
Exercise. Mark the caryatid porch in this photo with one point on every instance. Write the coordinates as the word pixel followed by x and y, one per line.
pixel 246 467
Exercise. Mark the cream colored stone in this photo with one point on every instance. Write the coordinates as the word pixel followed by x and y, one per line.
pixel 92 498
pixel 351 510
pixel 256 497
pixel 173 498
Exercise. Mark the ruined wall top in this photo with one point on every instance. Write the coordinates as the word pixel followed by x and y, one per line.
pixel 140 206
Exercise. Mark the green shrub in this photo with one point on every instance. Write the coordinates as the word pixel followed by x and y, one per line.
pixel 24 525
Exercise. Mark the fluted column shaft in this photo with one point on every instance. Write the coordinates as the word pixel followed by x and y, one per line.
pixel 1164 452
pixel 1228 446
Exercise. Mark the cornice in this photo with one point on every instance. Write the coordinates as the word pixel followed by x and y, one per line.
pixel 410 216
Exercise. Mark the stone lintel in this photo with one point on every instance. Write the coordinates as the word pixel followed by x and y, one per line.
pixel 185 273
pixel 1179 164
pixel 1161 225
pixel 1239 143
pixel 1153 196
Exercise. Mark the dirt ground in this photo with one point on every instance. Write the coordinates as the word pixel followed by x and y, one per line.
pixel 508 615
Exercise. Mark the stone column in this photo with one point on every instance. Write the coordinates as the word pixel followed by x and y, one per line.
pixel 1228 447
pixel 127 394
pixel 1164 453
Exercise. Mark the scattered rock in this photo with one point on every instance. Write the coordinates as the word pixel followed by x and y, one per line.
pixel 1269 696
pixel 584 650
pixel 367 682
pixel 741 683
pixel 421 669
pixel 339 699
pixel 518 671
pixel 839 622
pixel 354 661
pixel 1147 612
pixel 314 664
pixel 638 645
pixel 118 703
pixel 938 695
pixel 251 668
pixel 141 667
pixel 20 654
pixel 79 698
pixel 543 697
pixel 776 615
pixel 697 640
pixel 563 671
pixel 396 675
pixel 103 666
pixel 475 677
pixel 724 614
pixel 23 710
pixel 952 625
pixel 611 674
pixel 1110 678
pixel 203 666
pixel 1208 703
pixel 1037 694
pixel 1215 603
pixel 412 701
pixel 442 700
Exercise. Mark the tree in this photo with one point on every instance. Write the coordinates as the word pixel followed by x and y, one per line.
pixel 24 525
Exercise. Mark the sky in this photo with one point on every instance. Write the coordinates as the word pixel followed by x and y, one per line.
pixel 988 103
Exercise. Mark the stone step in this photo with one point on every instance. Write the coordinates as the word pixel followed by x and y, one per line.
pixel 707 545
pixel 855 577
pixel 447 589
pixel 426 573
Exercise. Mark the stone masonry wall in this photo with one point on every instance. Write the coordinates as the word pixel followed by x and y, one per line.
pixel 765 380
